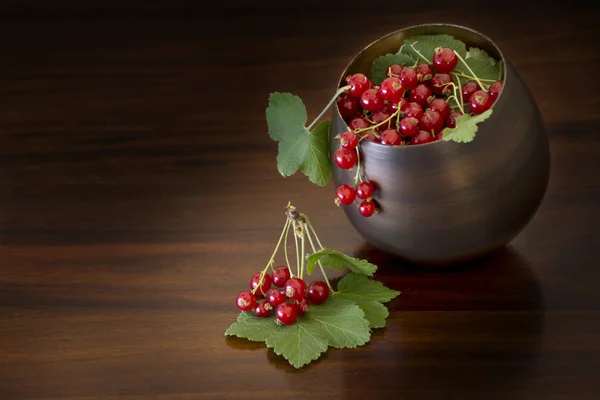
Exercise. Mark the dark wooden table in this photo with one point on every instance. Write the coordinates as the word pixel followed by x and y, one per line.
pixel 138 193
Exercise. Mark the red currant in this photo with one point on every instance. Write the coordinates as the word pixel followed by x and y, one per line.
pixel 424 73
pixel 264 286
pixel 395 106
pixel 380 116
pixel 495 89
pixel 349 140
pixel 390 137
pixel 245 301
pixel 431 121
pixel 440 84
pixel 263 309
pixel 394 70
pixel 468 89
pixel 367 208
pixel 413 110
pixel 359 83
pixel 286 313
pixel 451 120
pixel 348 106
pixel 480 101
pixel 422 137
pixel 408 78
pixel 369 136
pixel 409 126
pixel 302 306
pixel 281 276
pixel 444 59
pixel 391 89
pixel 370 101
pixel 441 106
pixel 275 297
pixel 359 123
pixel 345 158
pixel 345 194
pixel 364 190
pixel 295 288
pixel 421 95
pixel 317 292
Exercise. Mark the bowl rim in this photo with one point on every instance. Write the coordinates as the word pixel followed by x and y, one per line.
pixel 410 27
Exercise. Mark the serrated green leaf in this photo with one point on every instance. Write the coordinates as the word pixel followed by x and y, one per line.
pixel 482 64
pixel 369 295
pixel 299 343
pixel 466 127
pixel 337 260
pixel 298 147
pixel 382 63
pixel 426 45
pixel 251 327
pixel 341 322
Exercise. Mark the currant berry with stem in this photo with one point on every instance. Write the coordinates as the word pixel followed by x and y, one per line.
pixel 470 70
pixel 345 194
pixel 441 106
pixel 295 288
pixel 409 126
pixel 421 95
pixel 369 136
pixel 480 101
pixel 468 89
pixel 275 297
pixel 370 101
pixel 422 138
pixel 451 120
pixel 281 275
pixel 408 78
pixel 444 59
pixel 364 190
pixel 286 313
pixel 358 83
pixel 495 89
pixel 260 283
pixel 245 301
pixel 302 306
pixel 391 89
pixel 380 116
pixel 349 140
pixel 413 110
pixel 367 208
pixel 263 309
pixel 440 84
pixel 394 70
pixel 358 123
pixel 431 121
pixel 391 137
pixel 348 106
pixel 424 73
pixel 345 158
pixel 398 106
pixel 317 292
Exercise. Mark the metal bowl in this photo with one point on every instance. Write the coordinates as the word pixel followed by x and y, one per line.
pixel 446 202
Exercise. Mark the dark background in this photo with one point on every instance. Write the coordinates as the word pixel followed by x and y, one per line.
pixel 139 192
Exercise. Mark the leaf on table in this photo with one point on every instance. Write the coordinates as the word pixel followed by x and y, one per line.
pixel 382 63
pixel 251 327
pixel 369 295
pixel 466 127
pixel 426 45
pixel 341 322
pixel 298 147
pixel 299 343
pixel 337 260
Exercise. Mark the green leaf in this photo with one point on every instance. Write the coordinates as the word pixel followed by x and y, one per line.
pixel 341 322
pixel 382 63
pixel 426 45
pixel 298 147
pixel 483 65
pixel 337 260
pixel 369 295
pixel 251 327
pixel 466 127
pixel 299 343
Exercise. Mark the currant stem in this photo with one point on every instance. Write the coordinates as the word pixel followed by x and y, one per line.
pixel 357 178
pixel 412 45
pixel 313 230
pixel 285 250
pixel 270 263
pixel 335 96
pixel 462 74
pixel 462 101
pixel 358 130
pixel 297 250
pixel 460 105
pixel 312 245
pixel 470 70
pixel 303 228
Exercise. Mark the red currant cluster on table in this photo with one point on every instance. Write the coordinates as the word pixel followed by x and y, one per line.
pixel 288 296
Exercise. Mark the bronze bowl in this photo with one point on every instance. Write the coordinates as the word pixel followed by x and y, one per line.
pixel 447 202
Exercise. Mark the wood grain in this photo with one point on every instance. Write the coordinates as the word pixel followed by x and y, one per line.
pixel 138 194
